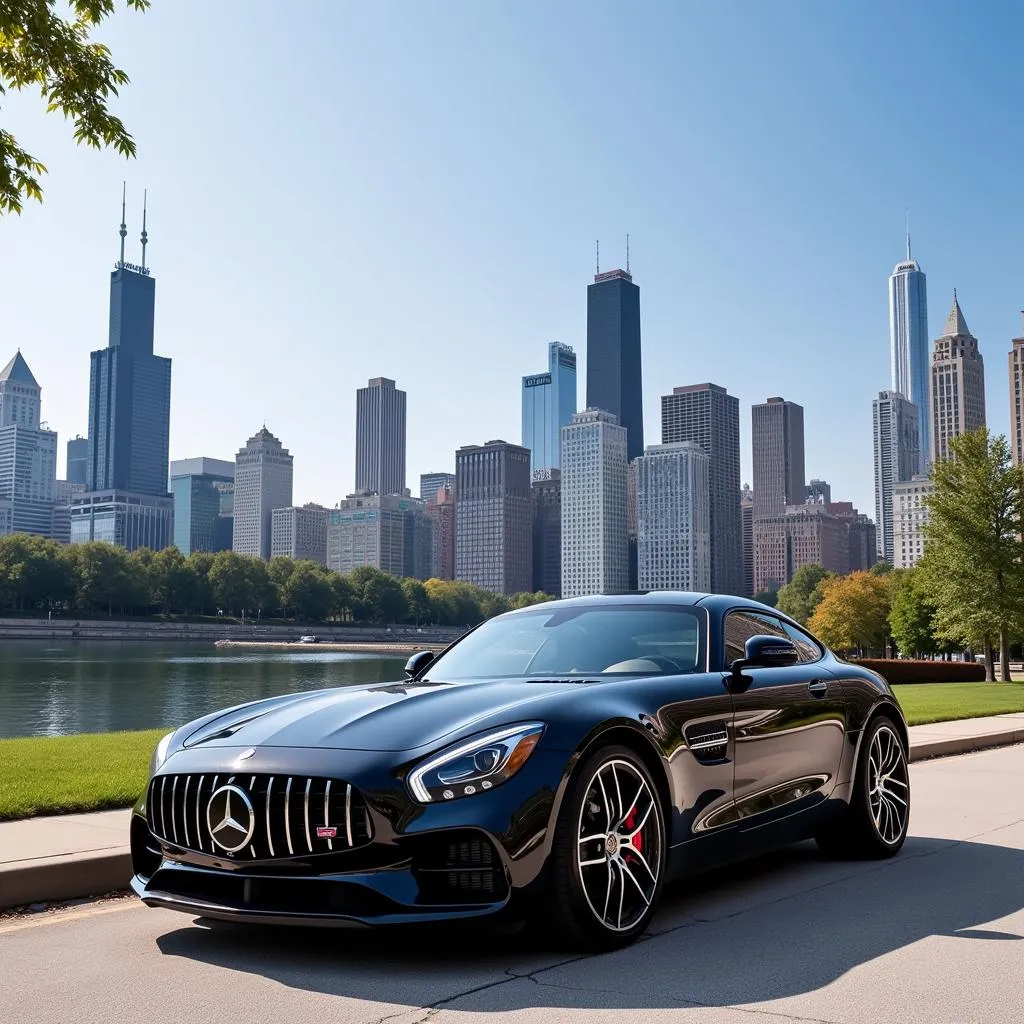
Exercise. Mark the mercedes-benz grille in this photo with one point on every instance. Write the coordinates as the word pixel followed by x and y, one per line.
pixel 257 816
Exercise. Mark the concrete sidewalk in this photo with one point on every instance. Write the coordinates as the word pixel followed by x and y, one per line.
pixel 76 855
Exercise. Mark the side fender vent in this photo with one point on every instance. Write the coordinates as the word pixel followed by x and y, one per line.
pixel 708 741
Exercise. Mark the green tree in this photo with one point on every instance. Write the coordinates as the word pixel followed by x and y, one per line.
pixel 384 599
pixel 51 50
pixel 105 577
pixel 416 600
pixel 802 594
pixel 33 573
pixel 341 595
pixel 526 599
pixel 307 591
pixel 231 582
pixel 975 559
pixel 768 597
pixel 912 615
pixel 200 600
pixel 171 581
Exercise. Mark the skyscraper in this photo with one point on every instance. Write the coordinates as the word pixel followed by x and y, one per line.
pixel 441 508
pixel 895 427
pixel 909 343
pixel 801 535
pixel 28 452
pixel 129 420
pixel 300 533
pixel 958 384
pixel 390 532
pixel 431 483
pixel 547 531
pixel 673 518
pixel 709 415
pixel 747 530
pixel 613 353
pixel 819 492
pixel 77 460
pixel 778 442
pixel 1016 401
pixel 493 517
pixel 380 437
pixel 202 491
pixel 263 482
pixel 549 402
pixel 595 552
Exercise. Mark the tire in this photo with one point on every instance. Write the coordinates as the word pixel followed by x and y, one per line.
pixel 874 824
pixel 604 889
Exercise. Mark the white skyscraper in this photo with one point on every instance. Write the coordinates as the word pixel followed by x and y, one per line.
pixel 910 517
pixel 263 482
pixel 28 453
pixel 673 518
pixel 895 424
pixel 909 344
pixel 595 551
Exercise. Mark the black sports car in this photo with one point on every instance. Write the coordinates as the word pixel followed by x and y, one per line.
pixel 558 762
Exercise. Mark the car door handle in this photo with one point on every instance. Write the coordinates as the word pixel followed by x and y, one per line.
pixel 819 688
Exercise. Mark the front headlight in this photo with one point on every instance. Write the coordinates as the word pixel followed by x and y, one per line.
pixel 475 766
pixel 160 754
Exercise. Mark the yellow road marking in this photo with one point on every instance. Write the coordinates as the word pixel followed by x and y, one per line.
pixel 60 917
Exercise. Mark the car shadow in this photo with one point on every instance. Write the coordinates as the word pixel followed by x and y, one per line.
pixel 783 925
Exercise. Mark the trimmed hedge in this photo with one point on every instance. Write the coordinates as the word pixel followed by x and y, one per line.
pixel 899 671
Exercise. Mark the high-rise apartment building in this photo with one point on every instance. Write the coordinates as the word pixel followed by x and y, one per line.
pixel 863 542
pixel 595 551
pixel 380 438
pixel 910 518
pixel 778 442
pixel 441 508
pixel 65 492
pixel 300 533
pixel 801 535
pixel 819 492
pixel 1016 401
pixel 549 402
pixel 958 384
pixel 709 415
pixel 613 353
pixel 202 490
pixel 263 482
pixel 77 460
pixel 28 452
pixel 390 532
pixel 431 483
pixel 129 420
pixel 747 528
pixel 909 343
pixel 493 517
pixel 673 518
pixel 547 531
pixel 895 427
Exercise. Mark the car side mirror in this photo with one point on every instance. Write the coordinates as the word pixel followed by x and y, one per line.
pixel 765 651
pixel 418 663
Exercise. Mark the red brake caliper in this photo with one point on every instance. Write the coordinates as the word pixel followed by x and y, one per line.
pixel 638 841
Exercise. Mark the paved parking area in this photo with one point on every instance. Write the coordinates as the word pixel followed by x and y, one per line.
pixel 932 936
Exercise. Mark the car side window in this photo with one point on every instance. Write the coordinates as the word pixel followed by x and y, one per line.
pixel 807 648
pixel 740 626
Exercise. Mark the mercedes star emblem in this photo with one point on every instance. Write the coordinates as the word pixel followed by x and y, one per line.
pixel 230 818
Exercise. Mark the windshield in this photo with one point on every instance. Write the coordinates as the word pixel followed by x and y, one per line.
pixel 595 641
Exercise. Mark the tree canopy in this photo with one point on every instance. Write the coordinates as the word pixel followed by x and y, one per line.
pixel 802 594
pixel 973 564
pixel 53 51
pixel 40 575
pixel 853 613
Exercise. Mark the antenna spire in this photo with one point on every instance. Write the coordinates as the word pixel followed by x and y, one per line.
pixel 627 253
pixel 145 237
pixel 908 234
pixel 597 265
pixel 124 229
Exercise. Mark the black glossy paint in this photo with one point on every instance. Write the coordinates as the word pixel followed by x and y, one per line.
pixel 789 742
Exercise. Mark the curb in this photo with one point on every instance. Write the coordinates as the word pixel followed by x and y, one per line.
pixel 67 877
pixel 83 875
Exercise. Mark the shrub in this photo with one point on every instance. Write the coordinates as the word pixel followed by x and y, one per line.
pixel 899 671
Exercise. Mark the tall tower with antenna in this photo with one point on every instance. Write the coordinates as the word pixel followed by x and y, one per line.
pixel 126 499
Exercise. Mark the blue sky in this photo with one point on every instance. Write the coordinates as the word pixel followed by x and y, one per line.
pixel 413 190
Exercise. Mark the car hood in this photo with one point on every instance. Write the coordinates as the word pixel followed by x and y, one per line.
pixel 391 717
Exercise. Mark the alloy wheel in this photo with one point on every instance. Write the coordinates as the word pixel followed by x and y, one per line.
pixel 888 786
pixel 619 845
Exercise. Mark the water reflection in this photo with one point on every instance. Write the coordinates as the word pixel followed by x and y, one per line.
pixel 52 690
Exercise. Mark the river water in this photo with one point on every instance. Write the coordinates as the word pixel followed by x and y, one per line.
pixel 52 688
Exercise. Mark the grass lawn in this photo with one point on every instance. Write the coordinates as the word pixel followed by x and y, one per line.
pixel 86 772
pixel 944 702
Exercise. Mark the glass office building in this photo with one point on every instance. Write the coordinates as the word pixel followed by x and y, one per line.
pixel 203 491
pixel 549 403
pixel 910 346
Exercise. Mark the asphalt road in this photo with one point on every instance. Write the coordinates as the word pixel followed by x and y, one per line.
pixel 932 936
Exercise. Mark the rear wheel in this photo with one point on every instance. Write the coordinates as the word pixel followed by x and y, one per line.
pixel 874 825
pixel 609 853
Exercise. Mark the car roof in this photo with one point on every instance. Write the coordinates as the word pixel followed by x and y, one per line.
pixel 683 598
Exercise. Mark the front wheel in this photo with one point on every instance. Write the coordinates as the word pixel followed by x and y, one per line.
pixel 874 825
pixel 608 855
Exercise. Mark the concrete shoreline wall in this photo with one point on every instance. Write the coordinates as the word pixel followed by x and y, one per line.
pixel 210 632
